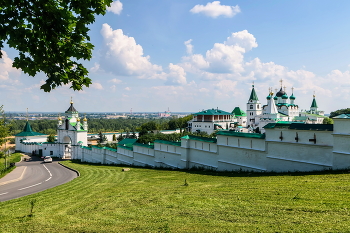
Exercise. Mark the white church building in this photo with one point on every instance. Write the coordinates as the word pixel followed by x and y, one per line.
pixel 71 134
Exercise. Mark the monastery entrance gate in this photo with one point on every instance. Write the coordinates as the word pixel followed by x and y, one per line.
pixel 67 147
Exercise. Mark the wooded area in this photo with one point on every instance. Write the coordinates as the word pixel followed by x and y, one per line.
pixel 105 125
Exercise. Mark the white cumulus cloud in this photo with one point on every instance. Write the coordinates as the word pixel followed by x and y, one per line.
pixel 176 76
pixel 226 57
pixel 96 85
pixel 114 80
pixel 122 56
pixel 215 9
pixel 242 39
pixel 6 67
pixel 116 7
pixel 189 46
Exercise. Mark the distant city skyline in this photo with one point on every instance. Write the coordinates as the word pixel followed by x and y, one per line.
pixel 191 55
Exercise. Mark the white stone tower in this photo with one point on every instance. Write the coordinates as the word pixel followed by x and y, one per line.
pixel 71 133
pixel 253 108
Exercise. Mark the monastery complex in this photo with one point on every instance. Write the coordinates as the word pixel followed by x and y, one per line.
pixel 274 136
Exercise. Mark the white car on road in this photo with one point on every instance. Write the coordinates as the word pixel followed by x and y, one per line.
pixel 47 159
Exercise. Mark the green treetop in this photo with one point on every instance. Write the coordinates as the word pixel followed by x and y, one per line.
pixel 51 36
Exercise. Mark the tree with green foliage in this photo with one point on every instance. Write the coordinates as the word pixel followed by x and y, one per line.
pixel 339 112
pixel 51 36
pixel 4 133
pixel 327 121
pixel 102 138
pixel 120 137
pixel 51 138
pixel 114 138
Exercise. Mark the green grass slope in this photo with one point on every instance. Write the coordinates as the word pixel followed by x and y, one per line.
pixel 105 199
pixel 16 157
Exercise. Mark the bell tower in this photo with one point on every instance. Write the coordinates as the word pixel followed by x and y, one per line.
pixel 71 133
pixel 254 108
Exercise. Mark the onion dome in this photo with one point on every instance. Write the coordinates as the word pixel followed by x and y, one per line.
pixel 85 119
pixel 292 97
pixel 78 119
pixel 268 97
pixel 285 96
pixel 59 118
pixel 275 98
pixel 281 93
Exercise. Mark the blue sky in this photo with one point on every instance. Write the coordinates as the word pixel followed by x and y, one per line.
pixel 190 55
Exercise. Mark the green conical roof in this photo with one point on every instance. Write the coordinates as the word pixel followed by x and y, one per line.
pixel 314 104
pixel 238 112
pixel 27 131
pixel 253 95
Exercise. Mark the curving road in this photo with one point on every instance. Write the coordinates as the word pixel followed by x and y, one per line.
pixel 37 177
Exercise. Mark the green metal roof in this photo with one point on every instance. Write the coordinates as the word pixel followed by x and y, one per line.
pixel 126 147
pixel 314 104
pixel 127 141
pixel 316 115
pixel 319 127
pixel 204 139
pixel 151 146
pixel 27 131
pixel 77 125
pixel 212 112
pixel 300 126
pixel 238 112
pixel 300 118
pixel 276 125
pixel 292 97
pixel 253 95
pixel 168 142
pixel 239 134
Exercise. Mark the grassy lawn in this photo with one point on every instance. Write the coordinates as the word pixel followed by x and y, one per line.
pixel 16 157
pixel 105 199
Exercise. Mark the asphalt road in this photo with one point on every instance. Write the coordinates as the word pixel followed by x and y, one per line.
pixel 38 176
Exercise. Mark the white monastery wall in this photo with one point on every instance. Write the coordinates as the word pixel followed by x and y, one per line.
pixel 241 153
pixel 281 150
pixel 341 148
pixel 167 155
pixel 292 150
pixel 125 156
pixel 143 156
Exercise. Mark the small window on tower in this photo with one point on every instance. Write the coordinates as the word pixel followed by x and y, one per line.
pixel 251 106
pixel 258 106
